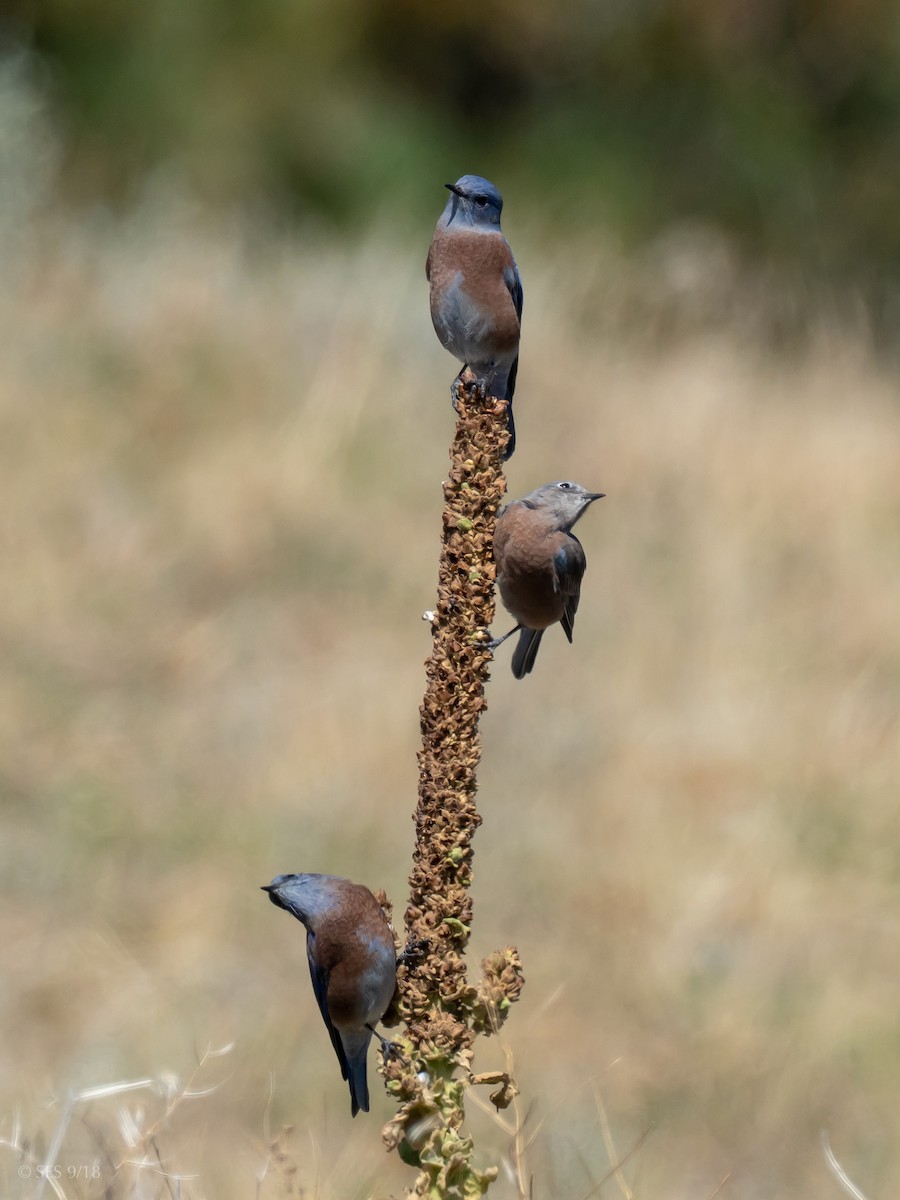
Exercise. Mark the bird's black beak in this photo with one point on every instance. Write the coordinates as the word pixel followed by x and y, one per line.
pixel 597 496
pixel 451 187
pixel 274 896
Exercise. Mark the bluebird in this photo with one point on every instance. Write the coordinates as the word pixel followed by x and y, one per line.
pixel 540 563
pixel 352 962
pixel 476 292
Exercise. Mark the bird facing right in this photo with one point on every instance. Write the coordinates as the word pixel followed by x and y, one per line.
pixel 540 564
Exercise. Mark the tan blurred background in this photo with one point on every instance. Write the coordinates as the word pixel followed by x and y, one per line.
pixel 225 420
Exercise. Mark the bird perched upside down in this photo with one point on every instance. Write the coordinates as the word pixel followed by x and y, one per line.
pixel 352 962
pixel 475 289
pixel 540 563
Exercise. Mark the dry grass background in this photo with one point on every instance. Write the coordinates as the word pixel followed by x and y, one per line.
pixel 221 458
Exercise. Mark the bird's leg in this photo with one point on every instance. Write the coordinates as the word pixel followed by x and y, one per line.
pixel 457 383
pixel 472 385
pixel 388 1048
pixel 468 382
pixel 495 642
pixel 414 949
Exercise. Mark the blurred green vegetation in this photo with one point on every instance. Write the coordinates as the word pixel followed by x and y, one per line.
pixel 776 122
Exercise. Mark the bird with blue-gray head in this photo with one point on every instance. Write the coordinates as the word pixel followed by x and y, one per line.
pixel 476 291
pixel 352 964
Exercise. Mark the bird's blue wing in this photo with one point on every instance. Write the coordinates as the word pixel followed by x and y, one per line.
pixel 570 563
pixel 513 281
pixel 320 987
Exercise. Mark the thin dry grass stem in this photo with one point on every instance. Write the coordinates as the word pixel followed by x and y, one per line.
pixel 174 1192
pixel 140 1140
pixel 47 1178
pixel 140 1145
pixel 838 1171
pixel 507 1095
pixel 545 1005
pixel 718 1187
pixel 442 1010
pixel 275 1155
pixel 615 1171
pixel 267 1135
pixel 608 1142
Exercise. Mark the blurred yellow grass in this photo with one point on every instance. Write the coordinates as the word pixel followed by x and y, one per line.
pixel 221 457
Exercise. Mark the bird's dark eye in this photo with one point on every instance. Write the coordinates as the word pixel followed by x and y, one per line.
pixel 481 201
pixel 564 485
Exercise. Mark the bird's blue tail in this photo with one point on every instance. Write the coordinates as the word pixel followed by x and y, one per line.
pixel 359 1084
pixel 526 651
pixel 356 1076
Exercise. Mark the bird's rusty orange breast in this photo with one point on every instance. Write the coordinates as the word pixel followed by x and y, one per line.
pixel 478 261
pixel 525 544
